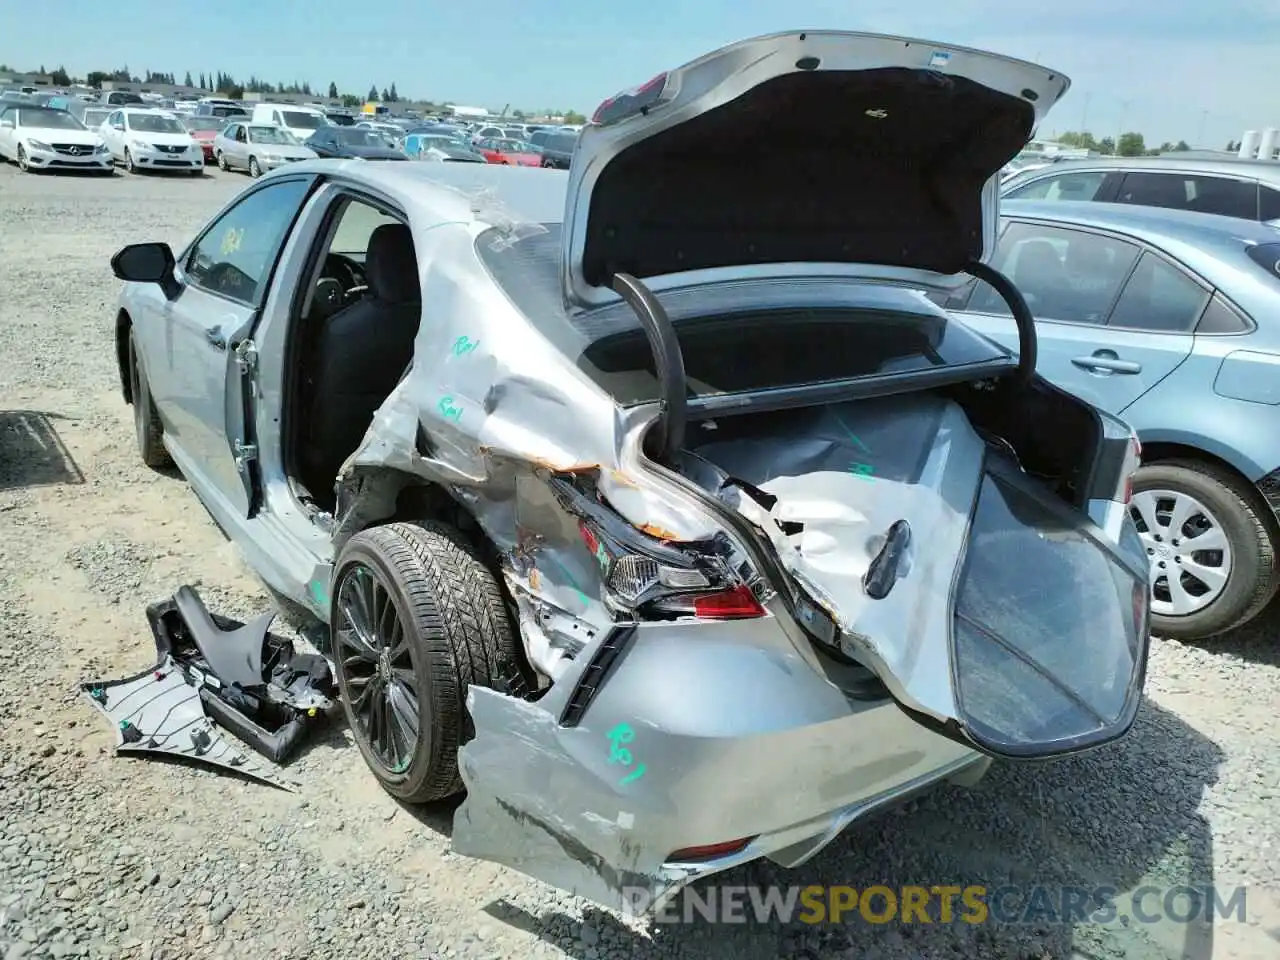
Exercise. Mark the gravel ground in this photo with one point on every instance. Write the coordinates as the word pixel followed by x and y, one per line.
pixel 109 857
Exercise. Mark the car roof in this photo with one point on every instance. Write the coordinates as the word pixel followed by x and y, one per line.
pixel 1267 170
pixel 432 193
pixel 1213 246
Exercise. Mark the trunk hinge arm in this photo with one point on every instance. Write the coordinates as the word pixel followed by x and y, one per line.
pixel 1012 296
pixel 664 442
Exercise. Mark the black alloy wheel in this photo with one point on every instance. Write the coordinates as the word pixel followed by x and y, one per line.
pixel 376 669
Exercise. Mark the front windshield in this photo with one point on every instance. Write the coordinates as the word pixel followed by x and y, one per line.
pixel 153 123
pixel 271 135
pixel 359 137
pixel 47 119
pixel 202 123
pixel 513 146
pixel 95 118
pixel 302 120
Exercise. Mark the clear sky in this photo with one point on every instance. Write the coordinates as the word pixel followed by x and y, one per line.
pixel 1173 69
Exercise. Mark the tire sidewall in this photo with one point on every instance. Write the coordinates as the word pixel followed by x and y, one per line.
pixel 141 396
pixel 363 552
pixel 1247 566
pixel 255 171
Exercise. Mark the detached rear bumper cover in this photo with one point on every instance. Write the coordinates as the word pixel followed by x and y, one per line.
pixel 751 743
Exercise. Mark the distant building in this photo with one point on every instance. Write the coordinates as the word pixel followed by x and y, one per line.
pixel 467 113
pixel 166 90
pixel 25 80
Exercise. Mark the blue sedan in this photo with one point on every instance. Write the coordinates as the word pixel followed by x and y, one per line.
pixel 1170 320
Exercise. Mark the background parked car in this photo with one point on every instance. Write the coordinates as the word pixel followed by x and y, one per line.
pixel 423 146
pixel 353 143
pixel 1165 319
pixel 1246 189
pixel 224 110
pixel 203 130
pixel 515 153
pixel 556 146
pixel 257 148
pixel 40 138
pixel 145 139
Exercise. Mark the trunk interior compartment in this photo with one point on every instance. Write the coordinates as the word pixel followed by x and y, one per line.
pixel 950 559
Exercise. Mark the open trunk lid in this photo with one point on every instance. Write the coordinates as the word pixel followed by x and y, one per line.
pixel 827 152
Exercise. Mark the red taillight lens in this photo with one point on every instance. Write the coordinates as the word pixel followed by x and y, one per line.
pixel 736 603
pixel 629 102
pixel 709 851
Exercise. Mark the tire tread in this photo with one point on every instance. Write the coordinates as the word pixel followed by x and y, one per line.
pixel 462 621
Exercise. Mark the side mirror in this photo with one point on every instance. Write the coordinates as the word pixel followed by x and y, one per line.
pixel 147 263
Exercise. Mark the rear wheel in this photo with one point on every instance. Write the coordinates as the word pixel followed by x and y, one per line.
pixel 416 619
pixel 146 422
pixel 1208 536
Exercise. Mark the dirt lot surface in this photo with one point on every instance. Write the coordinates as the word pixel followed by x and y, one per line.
pixel 110 857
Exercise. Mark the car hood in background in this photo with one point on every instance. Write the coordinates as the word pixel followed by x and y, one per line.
pixel 921 131
pixel 369 153
pixel 85 138
pixel 290 151
pixel 467 156
pixel 164 139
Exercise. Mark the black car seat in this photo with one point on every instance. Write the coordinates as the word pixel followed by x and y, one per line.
pixel 358 357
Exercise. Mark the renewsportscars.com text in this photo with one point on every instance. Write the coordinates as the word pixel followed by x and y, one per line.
pixel 973 904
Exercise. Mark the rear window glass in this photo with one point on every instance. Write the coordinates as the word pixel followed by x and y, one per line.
pixel 1267 256
pixel 810 334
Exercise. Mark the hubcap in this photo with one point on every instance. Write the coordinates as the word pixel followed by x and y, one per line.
pixel 375 668
pixel 1188 549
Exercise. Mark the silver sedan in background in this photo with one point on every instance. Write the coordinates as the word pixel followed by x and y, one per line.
pixel 257 147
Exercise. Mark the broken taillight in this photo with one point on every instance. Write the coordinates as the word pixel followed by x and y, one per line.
pixel 630 102
pixel 697 587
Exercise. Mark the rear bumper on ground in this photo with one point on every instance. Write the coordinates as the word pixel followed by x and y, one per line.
pixel 697 734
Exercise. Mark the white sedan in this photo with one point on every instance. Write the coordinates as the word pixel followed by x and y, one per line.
pixel 42 138
pixel 145 139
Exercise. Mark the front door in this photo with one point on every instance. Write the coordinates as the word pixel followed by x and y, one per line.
pixel 204 384
pixel 1111 321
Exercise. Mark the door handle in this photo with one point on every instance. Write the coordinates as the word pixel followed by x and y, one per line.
pixel 215 339
pixel 1105 364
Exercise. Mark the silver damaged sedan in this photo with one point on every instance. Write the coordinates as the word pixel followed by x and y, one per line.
pixel 653 504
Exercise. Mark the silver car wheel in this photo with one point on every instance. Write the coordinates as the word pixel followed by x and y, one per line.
pixel 1188 548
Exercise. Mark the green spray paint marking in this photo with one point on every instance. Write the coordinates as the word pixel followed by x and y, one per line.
pixel 319 593
pixel 568 576
pixel 448 410
pixel 852 436
pixel 464 345
pixel 863 471
pixel 618 754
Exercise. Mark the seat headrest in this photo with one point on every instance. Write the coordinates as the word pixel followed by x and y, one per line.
pixel 391 265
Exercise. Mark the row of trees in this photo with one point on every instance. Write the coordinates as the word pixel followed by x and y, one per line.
pixel 1130 144
pixel 227 85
